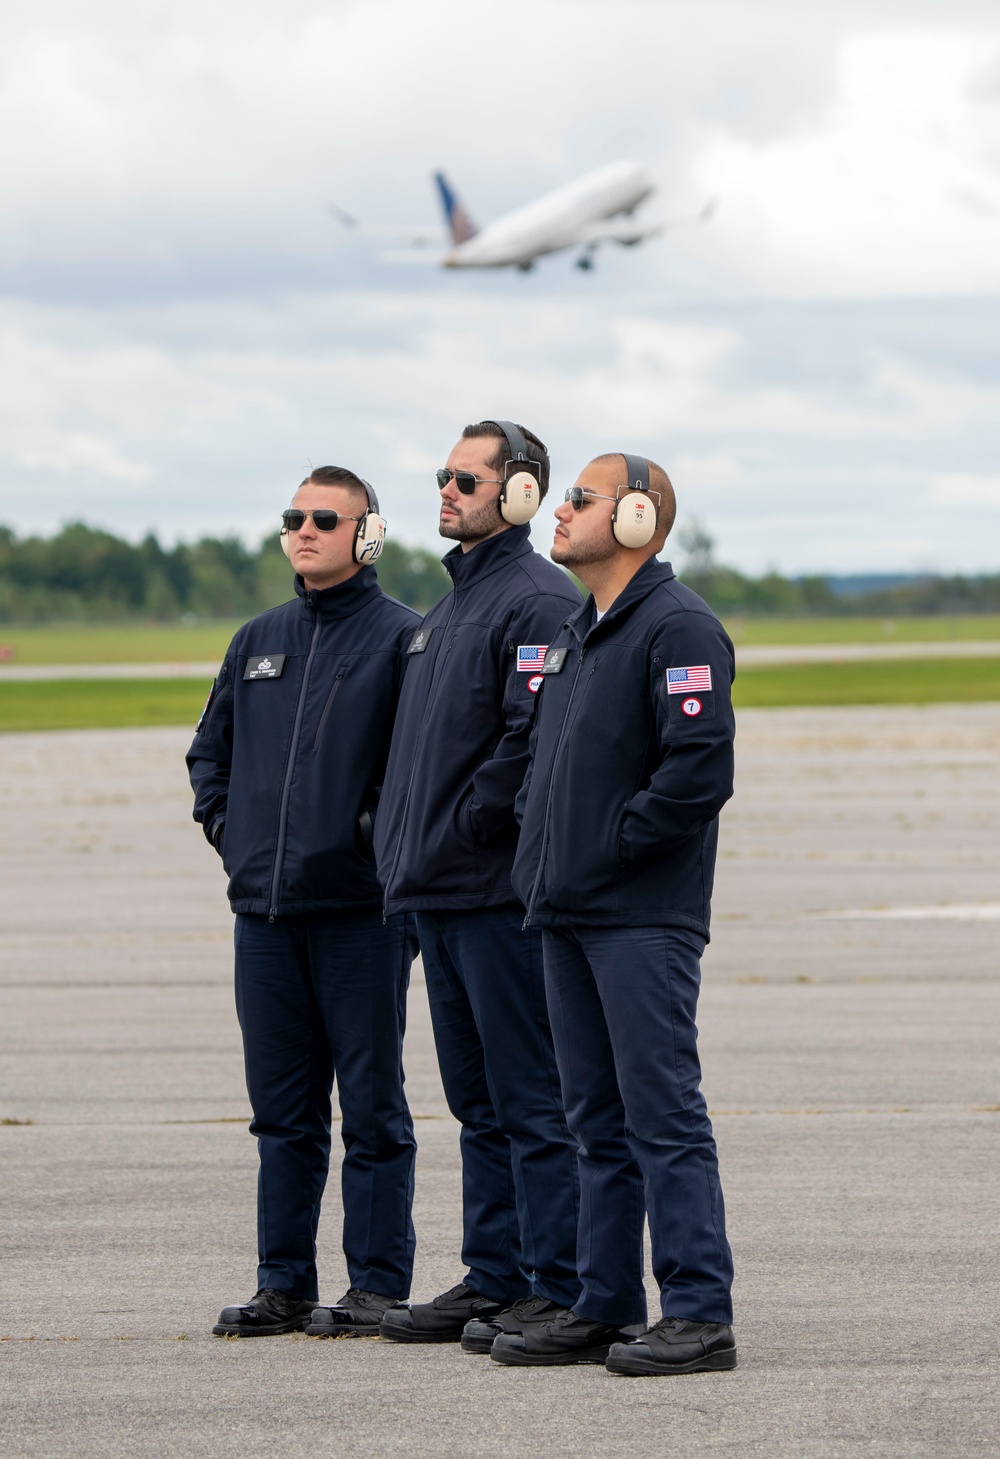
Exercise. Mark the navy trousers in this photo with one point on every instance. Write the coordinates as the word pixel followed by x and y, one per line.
pixel 622 1002
pixel 318 996
pixel 486 988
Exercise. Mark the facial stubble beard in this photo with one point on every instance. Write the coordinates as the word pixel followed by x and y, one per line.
pixel 475 524
pixel 573 557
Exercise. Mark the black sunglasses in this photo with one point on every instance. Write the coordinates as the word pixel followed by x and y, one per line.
pixel 577 496
pixel 324 520
pixel 466 481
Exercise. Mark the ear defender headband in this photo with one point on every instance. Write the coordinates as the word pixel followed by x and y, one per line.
pixel 369 535
pixel 369 539
pixel 520 495
pixel 637 510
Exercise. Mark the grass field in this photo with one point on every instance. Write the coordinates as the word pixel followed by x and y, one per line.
pixel 933 629
pixel 101 703
pixel 106 703
pixel 139 643
pixel 125 643
pixel 904 681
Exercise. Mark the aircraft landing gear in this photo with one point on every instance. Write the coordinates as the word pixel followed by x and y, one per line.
pixel 526 267
pixel 585 262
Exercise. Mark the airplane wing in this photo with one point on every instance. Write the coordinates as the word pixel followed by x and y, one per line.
pixel 417 234
pixel 629 230
pixel 618 230
pixel 411 255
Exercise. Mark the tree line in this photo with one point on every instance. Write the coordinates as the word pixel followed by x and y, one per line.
pixel 86 574
pixel 730 592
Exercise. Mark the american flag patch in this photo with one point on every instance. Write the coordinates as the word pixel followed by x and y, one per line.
pixel 530 657
pixel 685 681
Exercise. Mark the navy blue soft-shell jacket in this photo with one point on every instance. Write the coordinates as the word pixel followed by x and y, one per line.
pixel 287 769
pixel 445 833
pixel 632 762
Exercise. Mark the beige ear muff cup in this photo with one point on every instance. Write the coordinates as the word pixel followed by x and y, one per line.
pixel 634 519
pixel 283 539
pixel 369 537
pixel 520 498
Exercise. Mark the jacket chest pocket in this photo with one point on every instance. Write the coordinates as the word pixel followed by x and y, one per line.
pixel 325 715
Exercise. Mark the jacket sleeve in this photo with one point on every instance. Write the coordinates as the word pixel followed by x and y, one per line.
pixel 692 738
pixel 495 785
pixel 210 757
pixel 369 812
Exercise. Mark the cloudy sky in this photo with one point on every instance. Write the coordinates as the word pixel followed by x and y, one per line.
pixel 184 328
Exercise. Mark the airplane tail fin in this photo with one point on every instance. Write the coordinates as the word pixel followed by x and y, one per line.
pixel 456 216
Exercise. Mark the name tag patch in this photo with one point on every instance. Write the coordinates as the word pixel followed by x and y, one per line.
pixel 420 640
pixel 554 660
pixel 264 666
pixel 530 657
pixel 696 679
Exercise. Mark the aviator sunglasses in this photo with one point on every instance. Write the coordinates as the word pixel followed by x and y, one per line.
pixel 324 520
pixel 577 496
pixel 466 481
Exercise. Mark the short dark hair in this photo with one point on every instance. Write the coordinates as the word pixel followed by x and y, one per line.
pixel 336 476
pixel 536 449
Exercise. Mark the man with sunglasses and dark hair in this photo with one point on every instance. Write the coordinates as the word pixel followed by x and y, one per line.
pixel 287 766
pixel 445 840
pixel 632 761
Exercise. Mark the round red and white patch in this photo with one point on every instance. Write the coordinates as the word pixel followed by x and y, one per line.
pixel 691 707
pixel 535 683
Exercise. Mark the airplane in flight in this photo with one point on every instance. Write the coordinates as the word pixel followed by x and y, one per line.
pixel 595 209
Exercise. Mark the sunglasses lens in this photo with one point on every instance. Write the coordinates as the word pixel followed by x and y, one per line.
pixel 292 520
pixel 575 497
pixel 464 480
pixel 324 520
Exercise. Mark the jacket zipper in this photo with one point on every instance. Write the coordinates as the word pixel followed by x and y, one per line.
pixel 413 770
pixel 286 788
pixel 536 886
pixel 334 689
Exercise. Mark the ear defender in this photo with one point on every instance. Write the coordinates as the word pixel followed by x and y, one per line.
pixel 283 539
pixel 520 495
pixel 369 538
pixel 637 512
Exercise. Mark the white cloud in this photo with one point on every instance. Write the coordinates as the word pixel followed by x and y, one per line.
pixel 80 453
pixel 963 488
pixel 895 192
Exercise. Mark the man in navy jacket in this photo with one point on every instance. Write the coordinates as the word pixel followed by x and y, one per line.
pixel 286 767
pixel 445 839
pixel 632 762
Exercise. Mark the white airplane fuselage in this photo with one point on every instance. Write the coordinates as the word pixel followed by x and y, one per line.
pixel 562 219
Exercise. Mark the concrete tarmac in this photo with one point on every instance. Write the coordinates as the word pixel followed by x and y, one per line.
pixel 850 1058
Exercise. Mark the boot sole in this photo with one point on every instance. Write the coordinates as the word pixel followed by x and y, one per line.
pixel 722 1362
pixel 477 1344
pixel 233 1329
pixel 403 1334
pixel 371 1330
pixel 518 1358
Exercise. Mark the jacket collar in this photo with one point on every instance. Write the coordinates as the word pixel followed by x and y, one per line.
pixel 650 575
pixel 486 557
pixel 344 599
